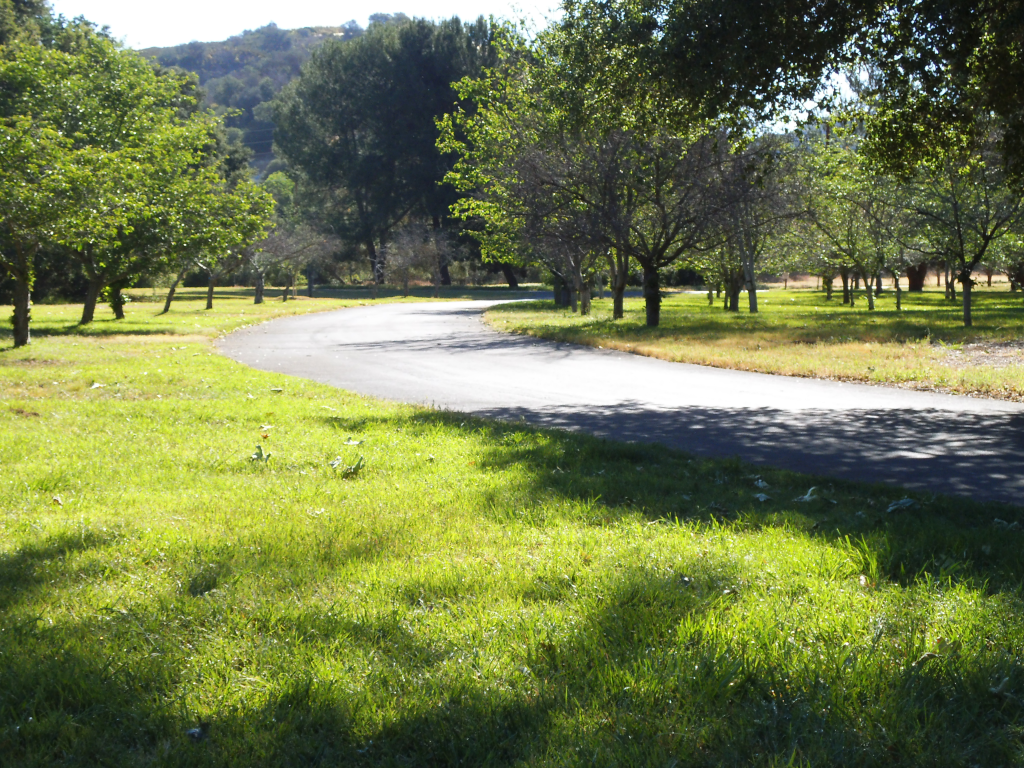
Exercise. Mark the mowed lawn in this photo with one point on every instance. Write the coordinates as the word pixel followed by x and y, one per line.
pixel 401 586
pixel 799 333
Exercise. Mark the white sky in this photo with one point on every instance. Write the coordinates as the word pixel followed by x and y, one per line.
pixel 144 23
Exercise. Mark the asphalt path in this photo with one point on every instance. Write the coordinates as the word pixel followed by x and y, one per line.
pixel 442 355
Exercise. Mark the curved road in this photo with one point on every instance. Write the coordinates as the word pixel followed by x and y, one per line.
pixel 443 355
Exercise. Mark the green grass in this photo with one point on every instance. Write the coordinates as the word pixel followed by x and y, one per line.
pixel 799 333
pixel 476 593
pixel 232 308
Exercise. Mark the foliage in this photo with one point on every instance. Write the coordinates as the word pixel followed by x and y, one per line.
pixel 554 174
pixel 358 125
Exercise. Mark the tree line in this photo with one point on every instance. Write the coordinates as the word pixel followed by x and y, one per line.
pixel 635 135
pixel 107 164
pixel 630 136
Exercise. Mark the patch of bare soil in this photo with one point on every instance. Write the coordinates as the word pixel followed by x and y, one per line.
pixel 997 354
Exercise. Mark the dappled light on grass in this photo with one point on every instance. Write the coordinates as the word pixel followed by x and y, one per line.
pixel 477 593
pixel 799 333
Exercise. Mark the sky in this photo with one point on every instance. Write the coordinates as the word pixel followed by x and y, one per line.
pixel 142 24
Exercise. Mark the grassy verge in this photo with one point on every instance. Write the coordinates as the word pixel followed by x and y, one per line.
pixel 798 333
pixel 400 586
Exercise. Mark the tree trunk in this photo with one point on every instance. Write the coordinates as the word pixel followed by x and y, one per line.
pixel 260 287
pixel 585 299
pixel 117 302
pixel 376 264
pixel 869 293
pixel 310 279
pixel 618 289
pixel 751 288
pixel 899 293
pixel 826 283
pixel 556 287
pixel 966 281
pixel 209 292
pixel 844 273
pixel 446 277
pixel 916 277
pixel 878 284
pixel 92 295
pixel 510 276
pixel 618 274
pixel 170 293
pixel 733 295
pixel 22 310
pixel 856 281
pixel 652 296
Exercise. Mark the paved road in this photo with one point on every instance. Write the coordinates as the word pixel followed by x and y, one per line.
pixel 443 355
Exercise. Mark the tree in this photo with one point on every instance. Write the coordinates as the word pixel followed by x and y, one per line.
pixel 359 124
pixel 579 183
pixel 758 199
pixel 940 62
pixel 965 204
pixel 46 177
pixel 42 181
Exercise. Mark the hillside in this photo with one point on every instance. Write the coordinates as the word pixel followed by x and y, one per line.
pixel 246 71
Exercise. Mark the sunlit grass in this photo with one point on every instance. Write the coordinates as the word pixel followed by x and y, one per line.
pixel 476 593
pixel 799 333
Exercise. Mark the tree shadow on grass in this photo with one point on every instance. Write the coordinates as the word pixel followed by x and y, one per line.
pixel 644 670
pixel 30 569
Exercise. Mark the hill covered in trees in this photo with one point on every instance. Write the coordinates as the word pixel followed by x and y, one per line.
pixel 242 74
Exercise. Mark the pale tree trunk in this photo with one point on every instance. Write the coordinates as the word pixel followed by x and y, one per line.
pixel 376 262
pixel 92 295
pixel 618 274
pixel 748 273
pixel 577 290
pixel 170 293
pixel 869 293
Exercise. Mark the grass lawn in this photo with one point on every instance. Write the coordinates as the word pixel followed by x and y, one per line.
pixel 799 333
pixel 402 586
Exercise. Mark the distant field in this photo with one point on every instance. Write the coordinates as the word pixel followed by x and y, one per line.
pixel 799 333
pixel 232 309
pixel 402 586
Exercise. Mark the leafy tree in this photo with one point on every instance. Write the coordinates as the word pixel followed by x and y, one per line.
pixel 578 177
pixel 42 185
pixel 939 62
pixel 358 125
pixel 966 205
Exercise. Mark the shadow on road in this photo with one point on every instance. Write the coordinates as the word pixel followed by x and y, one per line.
pixel 964 454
